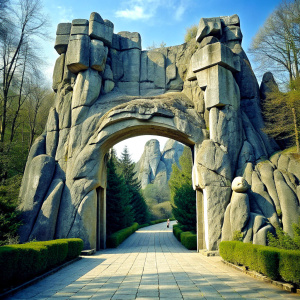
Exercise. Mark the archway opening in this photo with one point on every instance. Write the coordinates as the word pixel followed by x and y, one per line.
pixel 118 140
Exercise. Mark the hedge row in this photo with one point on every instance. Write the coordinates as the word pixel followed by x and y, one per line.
pixel 115 239
pixel 187 238
pixel 22 262
pixel 272 262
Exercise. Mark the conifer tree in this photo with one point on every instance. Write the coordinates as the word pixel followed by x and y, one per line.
pixel 137 200
pixel 183 197
pixel 119 213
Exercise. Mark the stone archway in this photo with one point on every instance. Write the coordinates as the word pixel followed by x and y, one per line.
pixel 203 94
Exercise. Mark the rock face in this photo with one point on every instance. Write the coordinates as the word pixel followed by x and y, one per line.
pixel 155 166
pixel 203 94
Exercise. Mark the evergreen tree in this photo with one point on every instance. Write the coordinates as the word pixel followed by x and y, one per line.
pixel 139 206
pixel 183 197
pixel 118 209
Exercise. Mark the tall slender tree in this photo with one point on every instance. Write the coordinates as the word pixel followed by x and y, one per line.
pixel 118 209
pixel 137 200
pixel 183 197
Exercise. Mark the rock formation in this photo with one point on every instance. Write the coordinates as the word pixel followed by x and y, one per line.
pixel 203 94
pixel 155 166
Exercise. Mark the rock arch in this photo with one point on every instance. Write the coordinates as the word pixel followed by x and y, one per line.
pixel 203 94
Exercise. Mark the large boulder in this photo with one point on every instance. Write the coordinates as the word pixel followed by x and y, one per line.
pixel 41 171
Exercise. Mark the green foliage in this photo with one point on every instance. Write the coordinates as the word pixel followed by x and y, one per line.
pixel 183 197
pixel 161 211
pixel 155 193
pixel 115 239
pixel 191 33
pixel 137 201
pixel 289 266
pixel 157 198
pixel 262 259
pixel 189 240
pixel 282 240
pixel 19 263
pixel 118 207
pixel 177 232
pixel 238 236
pixel 9 215
pixel 272 262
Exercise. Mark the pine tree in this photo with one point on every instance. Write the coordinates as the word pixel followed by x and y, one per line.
pixel 183 197
pixel 118 208
pixel 139 206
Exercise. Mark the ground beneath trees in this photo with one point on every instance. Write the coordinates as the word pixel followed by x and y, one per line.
pixel 150 264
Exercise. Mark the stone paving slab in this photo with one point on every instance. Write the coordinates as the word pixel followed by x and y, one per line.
pixel 151 264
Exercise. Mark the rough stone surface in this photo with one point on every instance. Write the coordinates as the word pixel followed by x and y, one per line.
pixel 129 40
pixel 266 170
pixel 87 88
pixel 214 54
pixel 98 55
pixel 239 185
pixel 260 238
pixel 156 167
pixel 239 211
pixel 35 187
pixel 268 85
pixel 44 227
pixel 77 57
pixel 61 43
pixel 288 202
pixel 131 65
pixel 264 200
pixel 63 29
pixel 208 27
pixel 217 200
pixel 102 30
pixel 58 72
pixel 226 228
pixel 220 87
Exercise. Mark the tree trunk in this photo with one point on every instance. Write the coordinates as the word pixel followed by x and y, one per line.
pixel 296 129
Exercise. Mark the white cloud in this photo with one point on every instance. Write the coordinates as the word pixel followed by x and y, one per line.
pixel 135 13
pixel 179 12
pixel 65 14
pixel 146 9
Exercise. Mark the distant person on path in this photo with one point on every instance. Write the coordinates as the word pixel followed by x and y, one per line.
pixel 168 223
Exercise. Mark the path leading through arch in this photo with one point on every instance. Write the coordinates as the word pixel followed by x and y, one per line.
pixel 151 264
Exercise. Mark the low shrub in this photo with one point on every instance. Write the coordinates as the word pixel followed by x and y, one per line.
pixel 177 232
pixel 289 266
pixel 189 240
pixel 22 262
pixel 272 262
pixel 115 239
pixel 75 247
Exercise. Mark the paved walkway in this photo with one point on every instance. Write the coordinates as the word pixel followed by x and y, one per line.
pixel 151 264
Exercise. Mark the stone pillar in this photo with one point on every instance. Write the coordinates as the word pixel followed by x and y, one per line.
pixel 214 64
pixel 200 220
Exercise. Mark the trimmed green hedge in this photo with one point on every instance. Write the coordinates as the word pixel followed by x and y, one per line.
pixel 177 232
pixel 115 239
pixel 189 240
pixel 19 263
pixel 272 262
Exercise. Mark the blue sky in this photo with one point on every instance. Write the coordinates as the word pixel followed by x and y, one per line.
pixel 156 21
